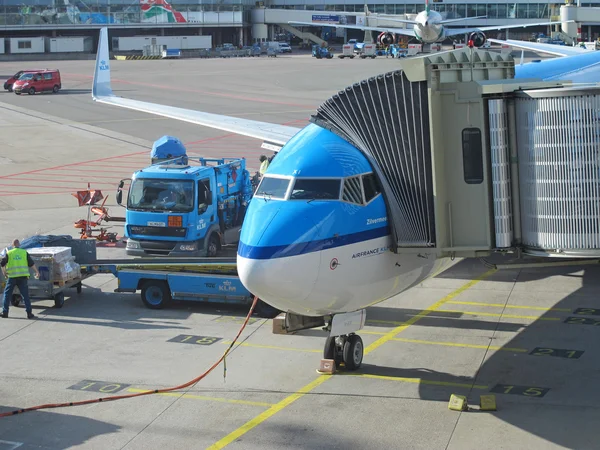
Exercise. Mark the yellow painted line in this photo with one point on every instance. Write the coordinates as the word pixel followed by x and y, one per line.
pixel 500 305
pixel 382 340
pixel 508 316
pixel 421 381
pixel 252 423
pixel 391 322
pixel 231 437
pixel 203 397
pixel 274 347
pixel 458 344
pixel 377 333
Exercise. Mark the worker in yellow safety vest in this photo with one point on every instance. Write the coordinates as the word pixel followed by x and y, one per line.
pixel 264 164
pixel 15 267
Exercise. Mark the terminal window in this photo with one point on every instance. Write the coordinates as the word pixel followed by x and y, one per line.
pixel 472 155
pixel 24 44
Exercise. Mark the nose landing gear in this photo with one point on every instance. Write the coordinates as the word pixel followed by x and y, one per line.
pixel 347 349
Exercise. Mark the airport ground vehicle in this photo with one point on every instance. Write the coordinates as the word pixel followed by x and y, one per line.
pixel 8 84
pixel 160 281
pixel 321 52
pixel 347 52
pixel 284 47
pixel 186 206
pixel 369 51
pixel 32 82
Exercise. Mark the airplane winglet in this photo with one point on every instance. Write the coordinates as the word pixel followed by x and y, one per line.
pixel 101 86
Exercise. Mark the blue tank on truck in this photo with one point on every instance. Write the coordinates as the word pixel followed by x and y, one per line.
pixel 186 206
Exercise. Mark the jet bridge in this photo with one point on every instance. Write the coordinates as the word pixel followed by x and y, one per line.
pixel 472 161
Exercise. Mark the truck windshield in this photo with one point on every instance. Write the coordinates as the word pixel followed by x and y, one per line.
pixel 161 195
pixel 315 189
pixel 273 187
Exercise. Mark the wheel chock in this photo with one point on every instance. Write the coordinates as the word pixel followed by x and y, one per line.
pixel 487 403
pixel 327 366
pixel 458 403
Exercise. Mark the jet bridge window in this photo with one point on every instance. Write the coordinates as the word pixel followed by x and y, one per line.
pixel 472 155
pixel 353 191
pixel 316 189
pixel 272 187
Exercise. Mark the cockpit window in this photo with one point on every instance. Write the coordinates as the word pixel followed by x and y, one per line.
pixel 352 191
pixel 371 186
pixel 316 189
pixel 273 187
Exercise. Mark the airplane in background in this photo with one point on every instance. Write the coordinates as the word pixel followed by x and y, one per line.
pixel 315 239
pixel 428 28
pixel 576 64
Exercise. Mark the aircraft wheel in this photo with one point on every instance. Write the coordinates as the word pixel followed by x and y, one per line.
pixel 353 352
pixel 329 349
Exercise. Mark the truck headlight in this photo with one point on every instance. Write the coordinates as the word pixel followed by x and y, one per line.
pixel 132 244
pixel 188 247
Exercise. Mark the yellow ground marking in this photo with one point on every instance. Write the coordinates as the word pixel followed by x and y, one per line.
pixel 458 344
pixel 376 333
pixel 252 423
pixel 203 397
pixel 273 347
pixel 508 316
pixel 501 305
pixel 421 381
pixel 393 322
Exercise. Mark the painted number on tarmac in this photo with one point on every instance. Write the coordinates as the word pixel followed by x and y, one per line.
pixel 582 321
pixel 199 340
pixel 559 352
pixel 99 386
pixel 519 390
pixel 587 311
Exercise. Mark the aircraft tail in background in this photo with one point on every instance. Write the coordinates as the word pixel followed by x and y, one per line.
pixel 151 9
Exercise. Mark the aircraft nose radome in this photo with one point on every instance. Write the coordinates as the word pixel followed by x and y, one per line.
pixel 282 275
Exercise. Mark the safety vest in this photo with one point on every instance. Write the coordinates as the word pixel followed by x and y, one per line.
pixel 263 166
pixel 17 263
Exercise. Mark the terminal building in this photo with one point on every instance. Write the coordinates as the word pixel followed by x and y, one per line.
pixel 25 24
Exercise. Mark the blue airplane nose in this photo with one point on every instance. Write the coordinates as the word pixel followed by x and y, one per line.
pixel 282 267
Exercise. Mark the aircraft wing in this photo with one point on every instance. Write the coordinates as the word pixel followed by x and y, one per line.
pixel 456 31
pixel 551 49
pixel 404 31
pixel 102 93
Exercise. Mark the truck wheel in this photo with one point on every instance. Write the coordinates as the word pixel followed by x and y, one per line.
pixel 213 246
pixel 31 91
pixel 59 300
pixel 156 294
pixel 265 310
pixel 55 89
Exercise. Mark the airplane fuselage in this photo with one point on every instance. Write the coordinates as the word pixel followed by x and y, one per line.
pixel 428 28
pixel 317 255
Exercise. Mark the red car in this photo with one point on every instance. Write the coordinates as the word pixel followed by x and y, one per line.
pixel 38 81
pixel 9 83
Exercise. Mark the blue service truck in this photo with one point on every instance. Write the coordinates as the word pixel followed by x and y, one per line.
pixel 185 206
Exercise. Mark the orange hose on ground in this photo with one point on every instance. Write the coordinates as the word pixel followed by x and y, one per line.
pixel 139 394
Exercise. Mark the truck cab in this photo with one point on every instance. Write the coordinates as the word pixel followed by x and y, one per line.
pixel 186 206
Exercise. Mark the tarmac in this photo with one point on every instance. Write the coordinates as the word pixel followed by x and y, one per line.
pixel 526 336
